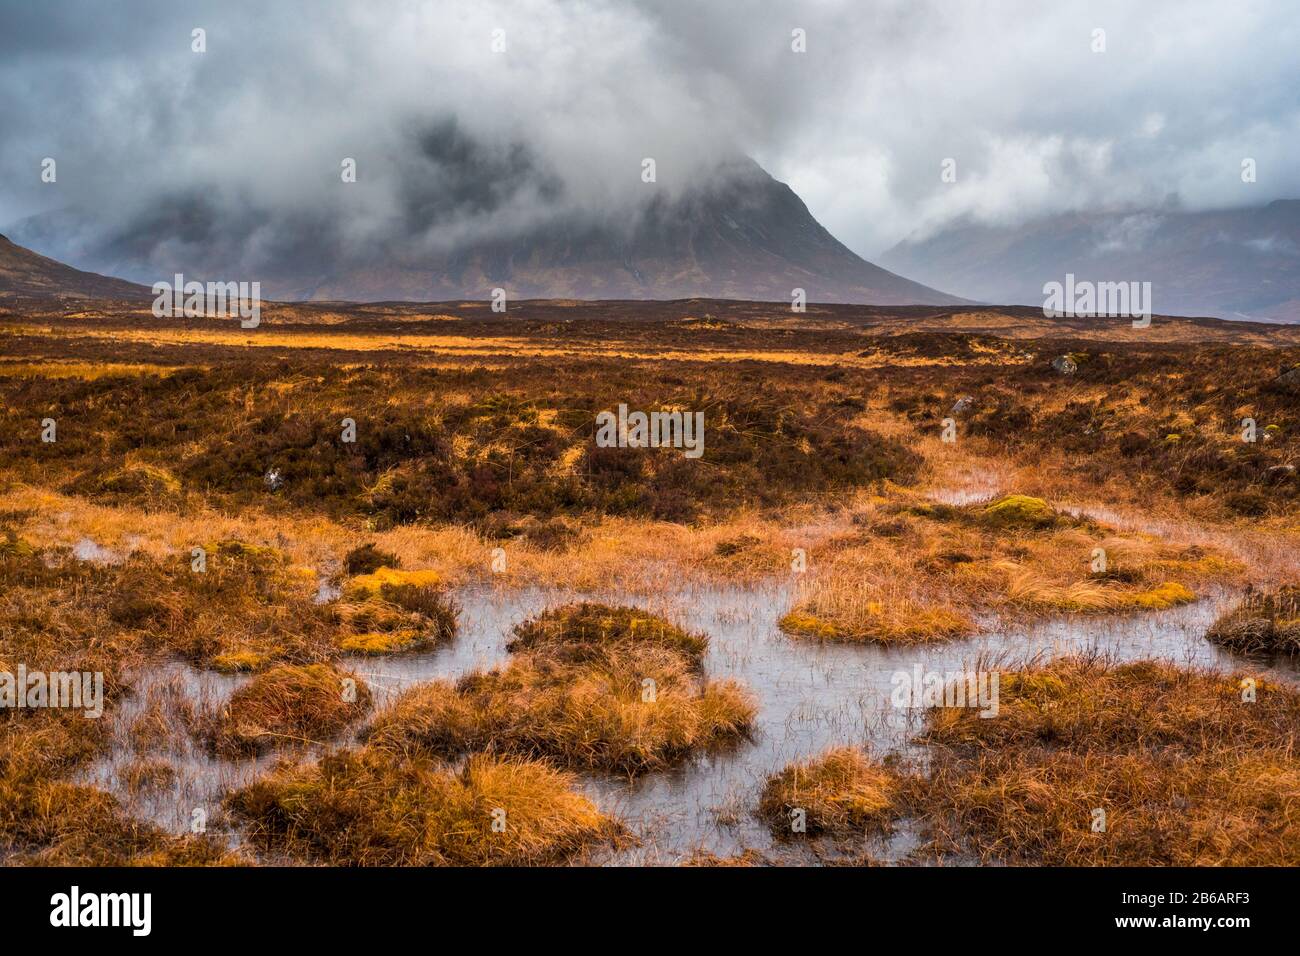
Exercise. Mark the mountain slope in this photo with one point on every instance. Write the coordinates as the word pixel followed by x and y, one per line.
pixel 746 236
pixel 1234 263
pixel 24 273
pixel 740 234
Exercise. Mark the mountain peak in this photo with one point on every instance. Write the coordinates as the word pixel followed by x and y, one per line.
pixel 736 234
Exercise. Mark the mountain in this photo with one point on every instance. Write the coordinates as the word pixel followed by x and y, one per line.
pixel 739 235
pixel 745 236
pixel 1239 263
pixel 23 273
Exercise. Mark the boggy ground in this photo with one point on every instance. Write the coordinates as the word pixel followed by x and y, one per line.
pixel 1121 489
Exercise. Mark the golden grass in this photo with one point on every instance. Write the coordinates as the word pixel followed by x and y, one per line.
pixel 840 791
pixel 89 371
pixel 1187 770
pixel 288 705
pixel 593 687
pixel 371 808
pixel 917 570
pixel 835 614
pixel 52 823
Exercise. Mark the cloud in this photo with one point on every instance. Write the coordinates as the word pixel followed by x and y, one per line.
pixel 233 155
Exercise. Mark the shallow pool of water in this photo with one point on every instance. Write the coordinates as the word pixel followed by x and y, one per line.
pixel 812 696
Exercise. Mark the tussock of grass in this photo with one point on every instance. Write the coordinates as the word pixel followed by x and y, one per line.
pixel 842 790
pixel 140 479
pixel 399 618
pixel 836 613
pixel 1029 589
pixel 381 642
pixel 247 610
pixel 592 625
pixel 288 704
pixel 52 823
pixel 372 808
pixel 747 858
pixel 1186 771
pixel 13 546
pixel 920 570
pixel 1163 596
pixel 623 696
pixel 1263 623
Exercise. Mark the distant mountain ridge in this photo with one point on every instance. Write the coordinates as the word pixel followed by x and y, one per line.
pixel 1239 263
pixel 741 235
pixel 24 273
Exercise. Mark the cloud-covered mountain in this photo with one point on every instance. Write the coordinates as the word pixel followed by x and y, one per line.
pixel 737 234
pixel 1233 263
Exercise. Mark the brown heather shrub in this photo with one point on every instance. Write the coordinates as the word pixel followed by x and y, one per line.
pixel 367 559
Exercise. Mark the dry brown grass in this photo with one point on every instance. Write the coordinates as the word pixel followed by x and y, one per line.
pixel 588 685
pixel 1187 772
pixel 918 570
pixel 289 704
pixel 1263 623
pixel 52 823
pixel 371 808
pixel 839 792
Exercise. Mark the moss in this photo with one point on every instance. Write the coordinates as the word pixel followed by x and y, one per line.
pixel 381 642
pixel 1166 595
pixel 238 661
pixel 372 584
pixel 808 625
pixel 875 622
pixel 1019 511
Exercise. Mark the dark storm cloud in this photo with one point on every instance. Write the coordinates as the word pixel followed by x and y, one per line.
pixel 230 159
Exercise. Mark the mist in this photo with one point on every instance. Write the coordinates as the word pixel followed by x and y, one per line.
pixel 231 158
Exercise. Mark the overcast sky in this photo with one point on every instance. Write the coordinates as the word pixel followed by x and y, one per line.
pixel 858 125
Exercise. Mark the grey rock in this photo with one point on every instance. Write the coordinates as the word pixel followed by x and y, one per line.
pixel 1065 365
pixel 1289 379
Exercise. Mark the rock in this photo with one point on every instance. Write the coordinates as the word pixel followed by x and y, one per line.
pixel 1289 379
pixel 963 404
pixel 1281 472
pixel 1065 365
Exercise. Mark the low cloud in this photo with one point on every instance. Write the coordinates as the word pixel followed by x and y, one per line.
pixel 231 158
